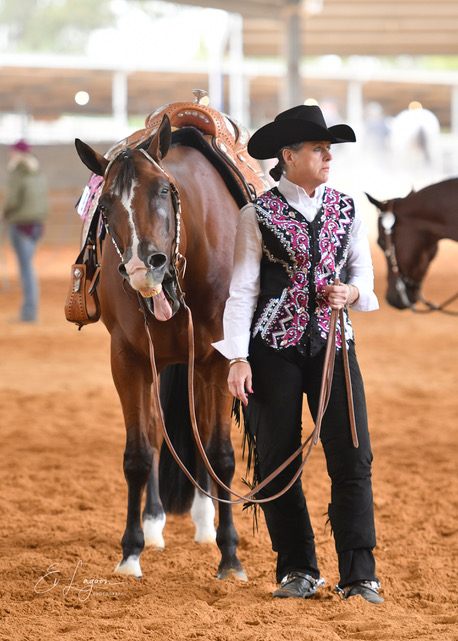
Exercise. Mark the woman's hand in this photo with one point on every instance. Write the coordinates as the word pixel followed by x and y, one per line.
pixel 240 380
pixel 337 296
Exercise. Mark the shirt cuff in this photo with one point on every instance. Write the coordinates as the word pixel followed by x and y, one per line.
pixel 235 347
pixel 367 301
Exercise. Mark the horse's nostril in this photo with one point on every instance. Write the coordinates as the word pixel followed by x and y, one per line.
pixel 157 260
pixel 122 270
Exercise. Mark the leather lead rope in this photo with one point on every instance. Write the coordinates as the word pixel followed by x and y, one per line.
pixel 328 370
pixel 351 405
pixel 241 497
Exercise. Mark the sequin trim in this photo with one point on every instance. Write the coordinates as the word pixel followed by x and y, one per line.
pixel 284 319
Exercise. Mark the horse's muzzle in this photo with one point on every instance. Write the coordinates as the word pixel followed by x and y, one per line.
pixel 151 271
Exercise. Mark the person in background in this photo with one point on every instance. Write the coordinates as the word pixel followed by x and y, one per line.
pixel 292 244
pixel 25 210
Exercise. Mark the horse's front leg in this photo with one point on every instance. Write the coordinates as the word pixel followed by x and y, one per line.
pixel 214 419
pixel 221 455
pixel 132 377
pixel 153 513
pixel 202 508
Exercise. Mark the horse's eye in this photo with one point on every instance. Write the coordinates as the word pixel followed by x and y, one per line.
pixel 164 191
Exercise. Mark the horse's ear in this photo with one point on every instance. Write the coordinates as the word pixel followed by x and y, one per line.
pixel 377 203
pixel 160 142
pixel 93 160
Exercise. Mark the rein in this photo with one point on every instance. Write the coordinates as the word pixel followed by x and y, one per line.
pixel 388 219
pixel 328 370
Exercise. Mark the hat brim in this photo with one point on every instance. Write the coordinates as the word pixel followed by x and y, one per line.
pixel 269 139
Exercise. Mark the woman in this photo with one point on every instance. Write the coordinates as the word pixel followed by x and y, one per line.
pixel 25 210
pixel 291 245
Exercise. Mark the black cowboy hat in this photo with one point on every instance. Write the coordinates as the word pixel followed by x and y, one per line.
pixel 299 124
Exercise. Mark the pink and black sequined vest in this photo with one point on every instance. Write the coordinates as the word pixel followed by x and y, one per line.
pixel 299 259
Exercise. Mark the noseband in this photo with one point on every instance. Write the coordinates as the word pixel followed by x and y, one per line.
pixel 388 220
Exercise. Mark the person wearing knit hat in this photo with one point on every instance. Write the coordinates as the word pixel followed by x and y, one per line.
pixel 21 145
pixel 25 210
pixel 301 252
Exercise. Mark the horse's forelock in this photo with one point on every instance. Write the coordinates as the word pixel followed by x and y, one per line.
pixel 126 174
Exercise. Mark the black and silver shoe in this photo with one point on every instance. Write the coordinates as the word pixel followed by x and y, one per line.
pixel 367 589
pixel 298 585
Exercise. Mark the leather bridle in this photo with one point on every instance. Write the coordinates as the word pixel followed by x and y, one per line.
pixel 387 221
pixel 177 261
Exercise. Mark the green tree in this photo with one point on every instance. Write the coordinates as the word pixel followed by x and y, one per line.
pixel 57 26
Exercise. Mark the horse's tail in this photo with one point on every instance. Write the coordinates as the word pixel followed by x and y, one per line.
pixel 176 490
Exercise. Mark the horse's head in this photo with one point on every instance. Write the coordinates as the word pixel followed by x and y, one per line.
pixel 140 208
pixel 386 219
pixel 408 252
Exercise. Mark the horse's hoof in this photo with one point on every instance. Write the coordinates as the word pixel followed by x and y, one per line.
pixel 152 531
pixel 205 536
pixel 130 567
pixel 226 572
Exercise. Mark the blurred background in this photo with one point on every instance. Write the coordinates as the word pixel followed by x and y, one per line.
pixel 95 70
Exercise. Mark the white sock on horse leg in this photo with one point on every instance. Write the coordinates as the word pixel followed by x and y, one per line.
pixel 203 516
pixel 130 567
pixel 152 531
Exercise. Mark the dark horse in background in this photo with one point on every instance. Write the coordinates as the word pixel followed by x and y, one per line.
pixel 139 207
pixel 409 230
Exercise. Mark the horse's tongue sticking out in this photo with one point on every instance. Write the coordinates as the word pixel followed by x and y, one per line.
pixel 144 284
pixel 162 309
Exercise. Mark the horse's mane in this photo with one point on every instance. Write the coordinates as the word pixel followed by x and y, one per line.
pixel 126 174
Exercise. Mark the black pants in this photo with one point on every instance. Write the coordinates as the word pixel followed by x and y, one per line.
pixel 273 416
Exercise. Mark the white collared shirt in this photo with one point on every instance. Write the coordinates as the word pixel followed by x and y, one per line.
pixel 245 282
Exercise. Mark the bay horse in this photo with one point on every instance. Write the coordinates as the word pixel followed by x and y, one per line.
pixel 409 230
pixel 138 204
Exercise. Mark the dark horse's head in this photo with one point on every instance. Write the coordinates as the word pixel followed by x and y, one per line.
pixel 408 249
pixel 138 205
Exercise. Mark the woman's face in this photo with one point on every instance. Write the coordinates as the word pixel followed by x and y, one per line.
pixel 309 166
